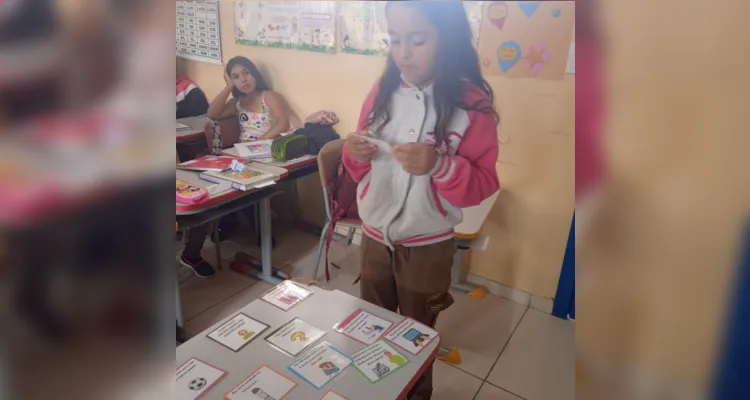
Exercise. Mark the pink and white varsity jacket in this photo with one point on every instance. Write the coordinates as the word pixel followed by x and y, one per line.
pixel 398 208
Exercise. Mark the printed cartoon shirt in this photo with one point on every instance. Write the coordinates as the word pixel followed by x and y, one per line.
pixel 253 125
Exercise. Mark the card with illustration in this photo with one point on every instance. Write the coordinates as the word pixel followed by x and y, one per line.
pixel 320 365
pixel 411 336
pixel 237 332
pixel 286 295
pixel 378 360
pixel 331 395
pixel 294 336
pixel 195 378
pixel 263 383
pixel 363 326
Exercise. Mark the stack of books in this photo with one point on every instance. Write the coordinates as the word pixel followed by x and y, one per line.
pixel 217 169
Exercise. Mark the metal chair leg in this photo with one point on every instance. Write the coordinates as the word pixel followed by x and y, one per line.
pixel 321 244
pixel 218 244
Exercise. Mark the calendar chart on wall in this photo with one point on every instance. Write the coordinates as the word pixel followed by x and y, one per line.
pixel 198 31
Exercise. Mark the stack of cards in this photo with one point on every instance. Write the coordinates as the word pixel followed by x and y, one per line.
pixel 237 332
pixel 363 326
pixel 263 383
pixel 294 336
pixel 320 365
pixel 378 360
pixel 286 295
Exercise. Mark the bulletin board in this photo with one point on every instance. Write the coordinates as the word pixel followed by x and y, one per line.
pixel 526 39
pixel 199 31
pixel 298 25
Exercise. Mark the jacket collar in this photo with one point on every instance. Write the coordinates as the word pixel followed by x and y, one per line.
pixel 427 90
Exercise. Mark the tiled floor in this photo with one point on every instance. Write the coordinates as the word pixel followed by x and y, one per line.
pixel 509 351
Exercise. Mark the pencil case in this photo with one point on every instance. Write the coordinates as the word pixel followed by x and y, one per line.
pixel 190 194
pixel 287 148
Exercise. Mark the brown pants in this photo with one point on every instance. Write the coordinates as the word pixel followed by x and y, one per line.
pixel 414 280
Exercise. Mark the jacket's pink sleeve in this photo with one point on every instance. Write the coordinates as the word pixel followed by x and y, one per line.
pixel 469 177
pixel 357 169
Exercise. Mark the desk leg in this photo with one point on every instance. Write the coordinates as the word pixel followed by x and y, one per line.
pixel 268 274
pixel 462 246
pixel 177 302
pixel 218 243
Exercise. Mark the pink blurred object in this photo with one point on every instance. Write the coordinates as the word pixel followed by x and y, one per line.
pixel 589 117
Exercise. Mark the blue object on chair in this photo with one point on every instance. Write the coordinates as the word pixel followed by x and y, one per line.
pixel 564 304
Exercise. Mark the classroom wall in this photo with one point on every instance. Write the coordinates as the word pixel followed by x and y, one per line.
pixel 529 224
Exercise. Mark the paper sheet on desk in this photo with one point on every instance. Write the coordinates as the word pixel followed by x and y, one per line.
pixel 182 127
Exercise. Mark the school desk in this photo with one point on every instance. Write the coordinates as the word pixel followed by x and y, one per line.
pixel 196 125
pixel 465 233
pixel 323 309
pixel 224 200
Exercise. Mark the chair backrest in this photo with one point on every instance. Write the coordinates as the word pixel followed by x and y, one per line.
pixel 329 159
pixel 230 132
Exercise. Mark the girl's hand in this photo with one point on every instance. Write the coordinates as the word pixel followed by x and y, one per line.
pixel 416 158
pixel 227 79
pixel 359 148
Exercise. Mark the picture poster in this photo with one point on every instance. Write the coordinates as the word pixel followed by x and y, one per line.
pixel 237 332
pixel 263 383
pixel 378 360
pixel 294 336
pixel 526 39
pixel 363 28
pixel 199 31
pixel 411 336
pixel 320 365
pixel 363 326
pixel 299 25
pixel 195 378
pixel 286 295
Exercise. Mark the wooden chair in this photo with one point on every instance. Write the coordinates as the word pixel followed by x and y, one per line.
pixel 329 159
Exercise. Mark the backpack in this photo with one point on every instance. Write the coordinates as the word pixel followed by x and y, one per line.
pixel 342 200
pixel 317 136
pixel 285 148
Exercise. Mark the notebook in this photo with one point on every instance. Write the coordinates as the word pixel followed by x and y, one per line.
pixel 254 175
pixel 208 163
pixel 254 149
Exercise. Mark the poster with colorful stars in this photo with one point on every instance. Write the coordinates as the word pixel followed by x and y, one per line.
pixel 526 39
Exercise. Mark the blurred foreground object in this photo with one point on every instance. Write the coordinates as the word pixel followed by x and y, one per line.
pixel 658 248
pixel 86 278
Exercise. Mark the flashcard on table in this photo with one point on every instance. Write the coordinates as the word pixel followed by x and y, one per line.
pixel 294 336
pixel 411 336
pixel 286 295
pixel 378 360
pixel 195 378
pixel 363 326
pixel 237 332
pixel 320 365
pixel 264 383
pixel 331 395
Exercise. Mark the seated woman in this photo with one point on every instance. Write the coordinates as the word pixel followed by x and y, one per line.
pixel 262 113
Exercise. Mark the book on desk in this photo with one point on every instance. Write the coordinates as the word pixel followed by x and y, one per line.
pixel 254 175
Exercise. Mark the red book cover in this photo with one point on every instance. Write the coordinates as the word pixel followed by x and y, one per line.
pixel 208 163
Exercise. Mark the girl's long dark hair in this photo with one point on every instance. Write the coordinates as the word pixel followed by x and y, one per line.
pixel 456 64
pixel 260 81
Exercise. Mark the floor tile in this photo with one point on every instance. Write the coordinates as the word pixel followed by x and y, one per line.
pixel 479 329
pixel 291 244
pixel 345 257
pixel 226 308
pixel 538 363
pixel 490 392
pixel 198 295
pixel 450 383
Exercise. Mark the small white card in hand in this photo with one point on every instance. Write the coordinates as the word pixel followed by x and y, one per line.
pixel 363 326
pixel 411 336
pixel 294 336
pixel 195 378
pixel 378 360
pixel 263 383
pixel 237 332
pixel 286 295
pixel 331 395
pixel 320 365
pixel 384 149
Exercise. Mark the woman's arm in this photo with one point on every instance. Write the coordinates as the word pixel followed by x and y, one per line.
pixel 220 107
pixel 280 114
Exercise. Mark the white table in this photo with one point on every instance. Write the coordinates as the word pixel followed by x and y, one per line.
pixel 323 309
pixel 465 232
pixel 196 125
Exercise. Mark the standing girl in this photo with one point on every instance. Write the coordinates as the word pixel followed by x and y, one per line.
pixel 262 113
pixel 435 110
